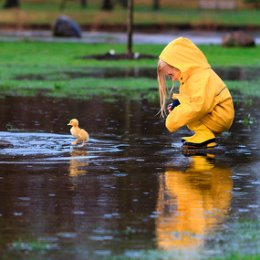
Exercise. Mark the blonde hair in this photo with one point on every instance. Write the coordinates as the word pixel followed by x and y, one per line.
pixel 162 87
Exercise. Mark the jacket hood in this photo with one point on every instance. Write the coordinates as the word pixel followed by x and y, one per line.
pixel 184 55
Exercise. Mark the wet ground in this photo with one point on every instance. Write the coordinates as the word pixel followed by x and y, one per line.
pixel 232 73
pixel 131 193
pixel 162 37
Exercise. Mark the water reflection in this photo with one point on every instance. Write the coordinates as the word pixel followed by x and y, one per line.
pixel 231 73
pixel 78 162
pixel 105 199
pixel 191 203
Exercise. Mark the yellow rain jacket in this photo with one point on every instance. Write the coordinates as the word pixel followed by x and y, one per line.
pixel 203 96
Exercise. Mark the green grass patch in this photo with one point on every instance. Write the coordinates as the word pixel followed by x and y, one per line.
pixel 42 68
pixel 45 13
pixel 83 88
pixel 31 246
pixel 237 256
pixel 42 54
pixel 237 240
pixel 248 88
pixel 163 255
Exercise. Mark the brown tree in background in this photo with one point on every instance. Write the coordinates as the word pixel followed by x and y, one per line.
pixel 156 4
pixel 255 3
pixel 107 5
pixel 11 4
pixel 83 3
pixel 130 9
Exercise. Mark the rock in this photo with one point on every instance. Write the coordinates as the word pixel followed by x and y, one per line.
pixel 66 27
pixel 5 144
pixel 238 39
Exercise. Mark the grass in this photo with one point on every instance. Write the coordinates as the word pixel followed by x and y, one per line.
pixel 31 246
pixel 44 13
pixel 155 255
pixel 44 55
pixel 236 240
pixel 42 68
pixel 35 248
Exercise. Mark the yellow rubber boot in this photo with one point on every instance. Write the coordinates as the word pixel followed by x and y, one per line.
pixel 185 138
pixel 203 137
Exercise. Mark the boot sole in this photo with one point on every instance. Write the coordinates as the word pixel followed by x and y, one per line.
pixel 208 152
pixel 183 140
pixel 211 143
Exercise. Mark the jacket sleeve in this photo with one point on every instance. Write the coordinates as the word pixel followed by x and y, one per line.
pixel 194 104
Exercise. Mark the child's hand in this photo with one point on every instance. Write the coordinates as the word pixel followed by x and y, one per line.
pixel 169 108
pixel 172 105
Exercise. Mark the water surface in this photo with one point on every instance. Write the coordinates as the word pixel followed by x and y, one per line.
pixel 131 193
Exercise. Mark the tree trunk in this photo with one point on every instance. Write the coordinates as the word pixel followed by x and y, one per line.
pixel 83 3
pixel 156 4
pixel 123 3
pixel 11 4
pixel 130 8
pixel 107 5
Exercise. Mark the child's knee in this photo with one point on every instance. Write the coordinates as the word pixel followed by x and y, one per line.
pixel 169 125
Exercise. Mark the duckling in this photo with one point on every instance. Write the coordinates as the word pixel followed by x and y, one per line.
pixel 80 134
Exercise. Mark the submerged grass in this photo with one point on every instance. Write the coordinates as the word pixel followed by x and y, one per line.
pixel 43 68
pixel 237 256
pixel 238 240
pixel 155 255
pixel 247 88
pixel 83 88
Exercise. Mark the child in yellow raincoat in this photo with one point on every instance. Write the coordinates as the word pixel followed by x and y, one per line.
pixel 203 104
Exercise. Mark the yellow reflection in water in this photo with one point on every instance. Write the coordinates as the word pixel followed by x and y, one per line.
pixel 191 203
pixel 77 164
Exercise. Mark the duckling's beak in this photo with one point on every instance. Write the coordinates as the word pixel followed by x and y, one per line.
pixel 69 123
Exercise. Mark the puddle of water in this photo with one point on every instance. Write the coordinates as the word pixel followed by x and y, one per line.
pixel 130 193
pixel 233 73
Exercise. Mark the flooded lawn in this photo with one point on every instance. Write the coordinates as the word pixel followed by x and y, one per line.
pixel 233 73
pixel 131 193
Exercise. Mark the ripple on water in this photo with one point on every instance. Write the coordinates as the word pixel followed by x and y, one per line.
pixel 51 148
pixel 68 235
